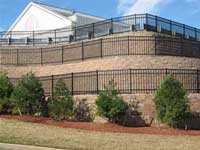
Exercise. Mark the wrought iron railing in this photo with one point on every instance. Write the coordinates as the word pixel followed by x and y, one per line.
pixel 117 46
pixel 123 24
pixel 129 81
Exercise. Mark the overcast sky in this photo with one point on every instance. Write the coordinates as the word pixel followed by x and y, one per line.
pixel 184 11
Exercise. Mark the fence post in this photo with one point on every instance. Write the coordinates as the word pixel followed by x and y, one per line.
pixel 41 56
pixel 74 33
pixel 156 22
pixel 97 74
pixel 93 30
pixel 195 30
pixel 72 76
pixel 155 45
pixel 33 37
pixel 17 56
pixel 111 26
pixel 171 27
pixel 166 72
pixel 82 45
pixel 184 30
pixel 135 21
pixel 52 85
pixel 198 86
pixel 181 46
pixel 130 81
pixel 11 34
pixel 55 36
pixel 128 45
pixel 62 54
pixel 101 47
pixel 146 16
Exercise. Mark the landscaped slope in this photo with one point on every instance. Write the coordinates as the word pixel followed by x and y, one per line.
pixel 12 131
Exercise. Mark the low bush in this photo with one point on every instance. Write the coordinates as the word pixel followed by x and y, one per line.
pixel 82 111
pixel 6 89
pixel 110 104
pixel 6 106
pixel 61 105
pixel 171 101
pixel 27 95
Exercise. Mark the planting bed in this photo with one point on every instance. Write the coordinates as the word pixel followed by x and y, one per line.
pixel 103 127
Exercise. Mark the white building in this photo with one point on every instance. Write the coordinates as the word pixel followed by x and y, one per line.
pixel 38 17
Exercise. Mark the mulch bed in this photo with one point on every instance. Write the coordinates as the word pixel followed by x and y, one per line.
pixel 107 127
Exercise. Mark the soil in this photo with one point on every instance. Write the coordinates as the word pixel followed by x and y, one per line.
pixel 103 127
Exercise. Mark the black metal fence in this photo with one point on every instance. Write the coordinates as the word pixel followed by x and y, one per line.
pixel 126 45
pixel 127 81
pixel 123 24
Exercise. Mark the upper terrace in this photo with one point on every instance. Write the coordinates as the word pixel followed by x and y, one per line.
pixel 137 22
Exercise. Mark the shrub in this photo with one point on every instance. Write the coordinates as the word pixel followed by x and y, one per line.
pixel 28 94
pixel 82 111
pixel 172 104
pixel 6 89
pixel 6 106
pixel 110 105
pixel 61 105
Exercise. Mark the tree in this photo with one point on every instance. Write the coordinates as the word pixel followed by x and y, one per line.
pixel 6 89
pixel 171 102
pixel 110 104
pixel 28 94
pixel 61 105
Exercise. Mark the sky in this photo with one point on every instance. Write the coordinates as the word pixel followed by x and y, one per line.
pixel 184 11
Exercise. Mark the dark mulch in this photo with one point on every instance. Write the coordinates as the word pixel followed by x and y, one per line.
pixel 107 127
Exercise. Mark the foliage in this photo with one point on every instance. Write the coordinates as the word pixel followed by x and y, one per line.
pixel 82 111
pixel 28 94
pixel 172 104
pixel 109 104
pixel 5 86
pixel 6 89
pixel 61 105
pixel 6 106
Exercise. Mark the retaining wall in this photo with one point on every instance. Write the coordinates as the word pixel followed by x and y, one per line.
pixel 146 105
pixel 107 63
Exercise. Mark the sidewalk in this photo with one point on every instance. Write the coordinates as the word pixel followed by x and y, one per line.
pixel 22 147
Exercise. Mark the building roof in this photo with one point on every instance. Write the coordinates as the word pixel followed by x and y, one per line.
pixel 65 12
pixel 60 11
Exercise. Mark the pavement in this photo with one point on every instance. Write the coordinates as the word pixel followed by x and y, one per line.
pixel 4 146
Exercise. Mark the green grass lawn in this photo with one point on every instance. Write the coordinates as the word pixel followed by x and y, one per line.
pixel 12 131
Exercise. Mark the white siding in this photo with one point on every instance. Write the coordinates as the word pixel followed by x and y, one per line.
pixel 37 18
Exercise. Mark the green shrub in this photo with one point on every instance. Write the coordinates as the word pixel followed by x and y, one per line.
pixel 6 89
pixel 28 94
pixel 110 105
pixel 82 111
pixel 61 105
pixel 6 106
pixel 172 104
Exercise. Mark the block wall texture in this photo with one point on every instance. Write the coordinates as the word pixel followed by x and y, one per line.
pixel 145 104
pixel 107 63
